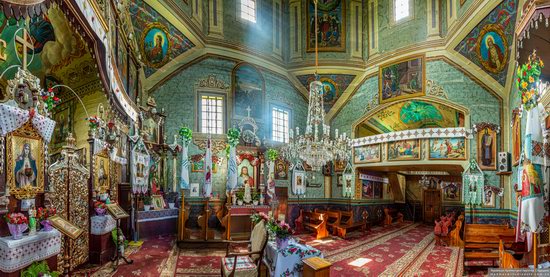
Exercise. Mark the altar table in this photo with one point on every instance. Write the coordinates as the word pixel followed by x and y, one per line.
pixel 157 222
pixel 288 261
pixel 18 254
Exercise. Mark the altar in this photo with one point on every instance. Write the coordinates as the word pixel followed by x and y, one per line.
pixel 16 255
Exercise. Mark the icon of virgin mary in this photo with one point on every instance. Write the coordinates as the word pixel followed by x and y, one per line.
pixel 25 167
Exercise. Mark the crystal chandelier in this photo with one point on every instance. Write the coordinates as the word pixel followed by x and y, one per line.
pixel 315 146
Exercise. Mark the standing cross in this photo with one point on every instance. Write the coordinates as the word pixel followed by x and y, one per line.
pixel 248 110
pixel 24 41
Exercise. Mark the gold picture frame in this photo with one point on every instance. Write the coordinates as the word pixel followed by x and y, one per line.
pixel 367 154
pixel 25 171
pixel 102 176
pixel 414 154
pixel 116 211
pixel 487 163
pixel 65 227
pixel 158 202
pixel 516 137
pixel 386 73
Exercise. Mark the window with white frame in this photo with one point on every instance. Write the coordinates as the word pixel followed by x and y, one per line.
pixel 211 113
pixel 248 10
pixel 401 9
pixel 280 124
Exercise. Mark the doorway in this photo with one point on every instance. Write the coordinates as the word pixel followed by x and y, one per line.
pixel 432 205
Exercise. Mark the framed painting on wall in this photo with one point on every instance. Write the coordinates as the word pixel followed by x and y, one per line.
pixel 452 192
pixel 339 180
pixel 516 137
pixel 367 154
pixel 404 150
pixel 281 169
pixel 102 173
pixel 447 149
pixel 402 79
pixel 487 149
pixel 339 165
pixel 367 189
pixel 331 26
pixel 155 45
pixel 378 188
pixel 194 190
pixel 63 117
pixel 489 198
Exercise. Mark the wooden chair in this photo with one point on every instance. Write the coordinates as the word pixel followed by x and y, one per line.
pixel 246 263
pixel 481 241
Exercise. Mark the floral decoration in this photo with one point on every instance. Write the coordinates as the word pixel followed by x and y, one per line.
pixel 257 217
pixel 93 122
pixel 272 154
pixel 16 218
pixel 280 229
pixel 45 213
pixel 528 75
pixel 233 136
pixel 99 205
pixel 50 100
pixel 186 135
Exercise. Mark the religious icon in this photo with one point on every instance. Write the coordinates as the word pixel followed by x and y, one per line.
pixel 25 167
pixel 403 150
pixel 402 79
pixel 65 227
pixel 156 45
pixel 281 169
pixel 368 189
pixel 451 192
pixel 487 149
pixel 489 199
pixel 194 191
pixel 339 180
pixel 331 17
pixel 149 130
pixel 102 183
pixel 447 149
pixel 63 126
pixel 492 48
pixel 244 174
pixel 366 154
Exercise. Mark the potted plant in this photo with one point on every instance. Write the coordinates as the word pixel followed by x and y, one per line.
pixel 255 198
pixel 17 223
pixel 171 198
pixel 146 202
pixel 240 197
pixel 43 214
pixel 100 208
pixel 281 231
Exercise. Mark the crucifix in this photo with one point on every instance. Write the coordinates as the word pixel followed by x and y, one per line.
pixel 26 43
pixel 248 110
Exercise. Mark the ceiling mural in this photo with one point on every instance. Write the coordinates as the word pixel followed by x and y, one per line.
pixel 410 115
pixel 334 84
pixel 489 44
pixel 158 40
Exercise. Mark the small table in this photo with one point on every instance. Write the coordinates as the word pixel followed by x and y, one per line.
pixel 288 261
pixel 18 254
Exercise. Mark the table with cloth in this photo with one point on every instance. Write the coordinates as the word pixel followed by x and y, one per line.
pixel 288 261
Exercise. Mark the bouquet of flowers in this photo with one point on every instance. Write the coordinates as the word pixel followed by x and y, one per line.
pixel 528 76
pixel 16 218
pixel 279 229
pixel 93 122
pixel 50 99
pixel 257 217
pixel 100 208
pixel 45 213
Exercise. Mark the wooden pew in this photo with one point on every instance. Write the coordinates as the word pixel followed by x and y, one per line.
pixel 454 235
pixel 506 257
pixel 390 214
pixel 481 241
pixel 313 221
pixel 347 223
pixel 333 218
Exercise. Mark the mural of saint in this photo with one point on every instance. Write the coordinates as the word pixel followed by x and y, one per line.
pixel 155 45
pixel 149 130
pixel 492 48
pixel 102 176
pixel 248 91
pixel 25 167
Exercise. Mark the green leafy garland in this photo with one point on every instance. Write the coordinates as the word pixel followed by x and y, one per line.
pixel 186 135
pixel 233 136
pixel 272 154
pixel 528 76
pixel 39 269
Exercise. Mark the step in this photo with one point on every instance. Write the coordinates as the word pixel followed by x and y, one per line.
pixel 480 255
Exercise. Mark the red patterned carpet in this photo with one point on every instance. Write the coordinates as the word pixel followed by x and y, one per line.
pixel 399 250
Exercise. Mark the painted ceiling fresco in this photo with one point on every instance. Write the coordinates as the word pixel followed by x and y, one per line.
pixel 410 115
pixel 488 45
pixel 334 84
pixel 158 40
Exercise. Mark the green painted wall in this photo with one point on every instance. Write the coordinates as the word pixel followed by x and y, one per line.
pixel 396 35
pixel 177 97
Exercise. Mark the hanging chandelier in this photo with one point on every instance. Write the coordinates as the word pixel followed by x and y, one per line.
pixel 315 146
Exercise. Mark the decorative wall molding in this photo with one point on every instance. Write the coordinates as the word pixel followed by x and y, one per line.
pixel 436 90
pixel 212 82
pixel 457 132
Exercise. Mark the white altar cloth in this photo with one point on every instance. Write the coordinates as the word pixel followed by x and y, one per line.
pixel 101 225
pixel 18 254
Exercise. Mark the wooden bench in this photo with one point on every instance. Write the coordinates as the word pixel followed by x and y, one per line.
pixel 454 235
pixel 390 214
pixel 481 242
pixel 333 218
pixel 347 223
pixel 313 221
